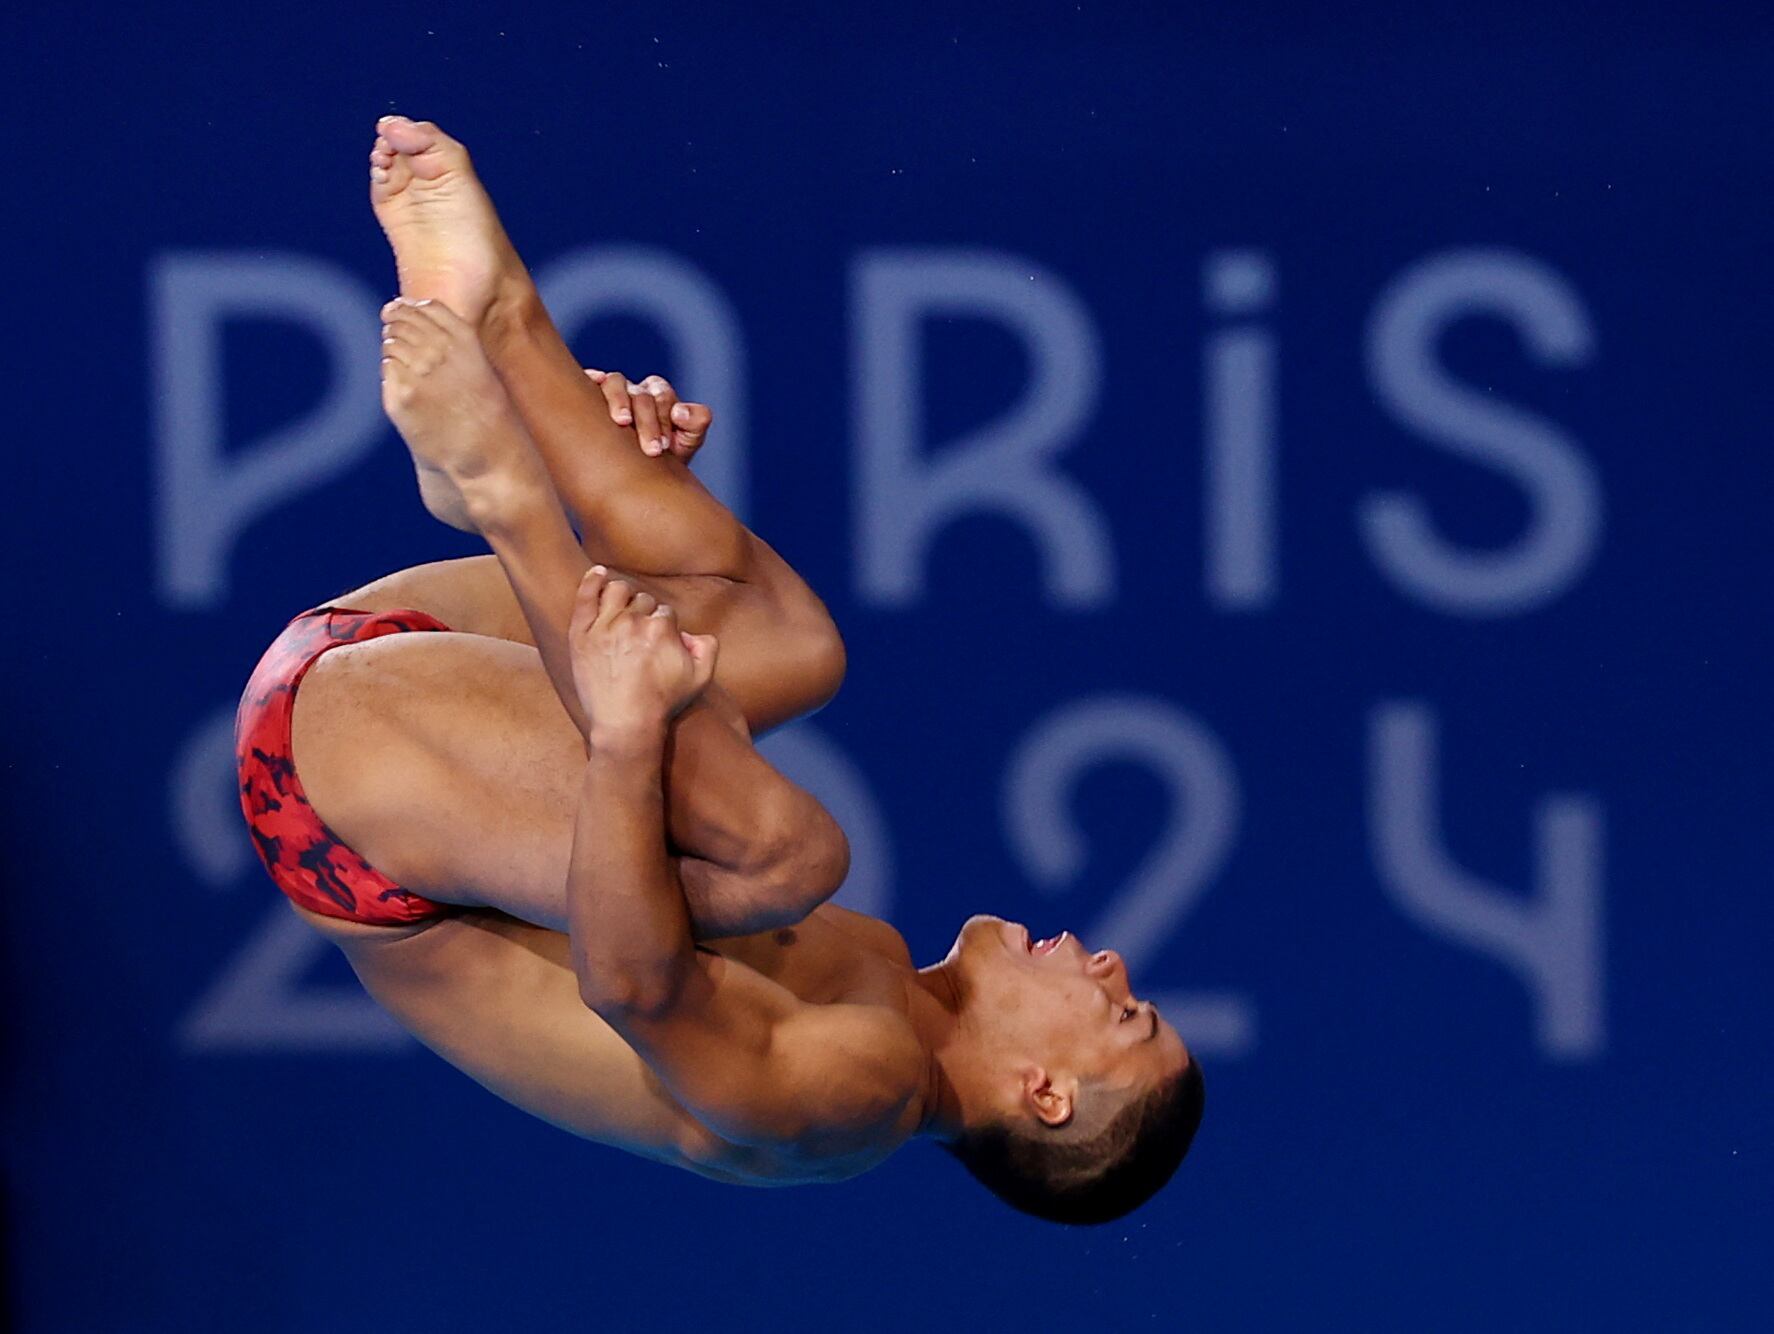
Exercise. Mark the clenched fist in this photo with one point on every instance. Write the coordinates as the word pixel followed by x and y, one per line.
pixel 633 668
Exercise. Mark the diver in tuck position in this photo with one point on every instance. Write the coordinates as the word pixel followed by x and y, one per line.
pixel 614 916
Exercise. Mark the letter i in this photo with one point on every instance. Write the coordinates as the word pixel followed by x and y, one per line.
pixel 1238 433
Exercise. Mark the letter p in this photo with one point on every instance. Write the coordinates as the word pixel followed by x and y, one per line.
pixel 206 495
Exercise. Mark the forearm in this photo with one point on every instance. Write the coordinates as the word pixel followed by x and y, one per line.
pixel 628 921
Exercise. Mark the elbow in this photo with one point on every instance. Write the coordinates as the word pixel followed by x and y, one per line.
pixel 826 862
pixel 620 997
pixel 807 862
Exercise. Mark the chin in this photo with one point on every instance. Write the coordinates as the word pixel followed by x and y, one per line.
pixel 983 932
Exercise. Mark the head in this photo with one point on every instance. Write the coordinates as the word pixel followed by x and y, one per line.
pixel 1082 1099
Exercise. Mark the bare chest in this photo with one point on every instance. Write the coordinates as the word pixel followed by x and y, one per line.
pixel 833 956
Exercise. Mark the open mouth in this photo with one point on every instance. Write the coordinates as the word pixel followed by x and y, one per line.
pixel 1047 946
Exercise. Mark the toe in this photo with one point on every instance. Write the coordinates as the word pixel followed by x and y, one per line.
pixel 401 328
pixel 416 322
pixel 407 136
pixel 388 177
pixel 404 318
pixel 432 151
pixel 443 316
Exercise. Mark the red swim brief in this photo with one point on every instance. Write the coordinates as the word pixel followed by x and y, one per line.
pixel 307 861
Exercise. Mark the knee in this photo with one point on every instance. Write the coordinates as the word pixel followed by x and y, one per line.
pixel 822 661
pixel 794 674
pixel 813 650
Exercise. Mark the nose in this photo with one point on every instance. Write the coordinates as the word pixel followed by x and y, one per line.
pixel 1106 963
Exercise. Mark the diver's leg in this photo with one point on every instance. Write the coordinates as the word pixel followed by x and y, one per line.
pixel 446 761
pixel 648 515
pixel 412 753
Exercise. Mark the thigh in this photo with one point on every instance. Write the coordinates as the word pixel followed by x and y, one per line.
pixel 775 664
pixel 448 763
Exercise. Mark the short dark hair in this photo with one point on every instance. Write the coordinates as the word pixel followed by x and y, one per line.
pixel 1096 1179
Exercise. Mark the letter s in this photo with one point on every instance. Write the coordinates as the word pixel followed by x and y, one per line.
pixel 1564 497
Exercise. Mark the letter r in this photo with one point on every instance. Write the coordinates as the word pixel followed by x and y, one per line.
pixel 904 496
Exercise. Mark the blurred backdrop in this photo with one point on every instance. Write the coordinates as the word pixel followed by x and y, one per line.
pixel 1295 488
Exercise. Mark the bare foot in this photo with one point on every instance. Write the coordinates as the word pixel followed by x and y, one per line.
pixel 448 244
pixel 440 391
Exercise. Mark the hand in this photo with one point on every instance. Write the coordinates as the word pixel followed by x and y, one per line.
pixel 633 668
pixel 653 409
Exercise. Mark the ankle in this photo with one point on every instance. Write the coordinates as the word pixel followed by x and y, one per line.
pixel 515 307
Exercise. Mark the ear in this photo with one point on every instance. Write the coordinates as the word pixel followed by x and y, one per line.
pixel 1050 1101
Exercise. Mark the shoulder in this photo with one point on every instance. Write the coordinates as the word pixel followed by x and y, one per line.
pixel 850 1070
pixel 762 1068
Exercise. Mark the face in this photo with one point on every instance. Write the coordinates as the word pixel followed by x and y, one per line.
pixel 1055 1005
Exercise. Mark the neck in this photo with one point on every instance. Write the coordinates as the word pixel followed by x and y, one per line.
pixel 934 997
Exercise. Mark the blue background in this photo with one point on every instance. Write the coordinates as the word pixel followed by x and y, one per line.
pixel 1393 1147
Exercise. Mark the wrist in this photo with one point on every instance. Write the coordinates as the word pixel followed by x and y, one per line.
pixel 637 738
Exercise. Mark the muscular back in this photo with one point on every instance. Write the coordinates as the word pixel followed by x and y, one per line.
pixel 497 998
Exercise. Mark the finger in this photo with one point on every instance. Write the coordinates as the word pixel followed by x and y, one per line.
pixel 588 598
pixel 690 423
pixel 665 398
pixel 646 422
pixel 644 604
pixel 662 626
pixel 703 651
pixel 616 596
pixel 617 394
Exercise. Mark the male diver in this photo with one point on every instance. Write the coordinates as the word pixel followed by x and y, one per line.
pixel 520 795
